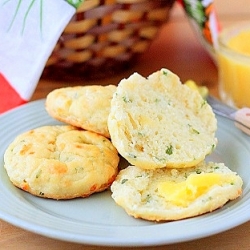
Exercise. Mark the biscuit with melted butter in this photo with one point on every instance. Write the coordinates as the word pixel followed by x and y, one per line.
pixel 172 194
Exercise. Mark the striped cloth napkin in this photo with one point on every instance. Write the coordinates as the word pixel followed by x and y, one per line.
pixel 29 30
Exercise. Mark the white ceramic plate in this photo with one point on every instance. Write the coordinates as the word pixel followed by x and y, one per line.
pixel 98 220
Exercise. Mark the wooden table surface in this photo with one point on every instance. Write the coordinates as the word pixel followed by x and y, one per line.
pixel 177 49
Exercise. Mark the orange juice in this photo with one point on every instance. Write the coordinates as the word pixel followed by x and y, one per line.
pixel 233 54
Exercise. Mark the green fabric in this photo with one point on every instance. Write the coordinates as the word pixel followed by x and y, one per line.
pixel 75 3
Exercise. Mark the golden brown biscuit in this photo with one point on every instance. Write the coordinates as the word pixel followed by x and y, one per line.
pixel 86 107
pixel 172 194
pixel 158 122
pixel 61 162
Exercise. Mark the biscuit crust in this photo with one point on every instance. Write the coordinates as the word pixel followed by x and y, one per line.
pixel 136 191
pixel 61 162
pixel 86 107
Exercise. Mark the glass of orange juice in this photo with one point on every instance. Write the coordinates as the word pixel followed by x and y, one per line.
pixel 233 57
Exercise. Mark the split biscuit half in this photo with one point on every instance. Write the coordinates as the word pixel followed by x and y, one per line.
pixel 172 194
pixel 159 122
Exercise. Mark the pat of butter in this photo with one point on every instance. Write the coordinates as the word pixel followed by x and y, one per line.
pixel 203 90
pixel 183 193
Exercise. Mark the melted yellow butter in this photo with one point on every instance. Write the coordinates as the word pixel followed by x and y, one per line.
pixel 182 193
pixel 203 90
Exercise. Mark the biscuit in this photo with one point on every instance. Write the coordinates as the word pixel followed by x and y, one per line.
pixel 140 191
pixel 86 107
pixel 158 122
pixel 61 162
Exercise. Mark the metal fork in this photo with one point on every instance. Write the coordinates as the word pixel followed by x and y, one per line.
pixel 241 117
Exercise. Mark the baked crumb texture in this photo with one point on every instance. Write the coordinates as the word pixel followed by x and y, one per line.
pixel 159 122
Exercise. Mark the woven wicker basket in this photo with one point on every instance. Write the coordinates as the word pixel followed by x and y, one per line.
pixel 105 36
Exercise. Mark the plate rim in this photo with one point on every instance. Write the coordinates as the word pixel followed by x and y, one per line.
pixel 100 240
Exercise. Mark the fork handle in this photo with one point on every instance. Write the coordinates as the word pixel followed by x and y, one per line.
pixel 242 116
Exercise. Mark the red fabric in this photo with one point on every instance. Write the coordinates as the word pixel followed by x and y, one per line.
pixel 9 98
